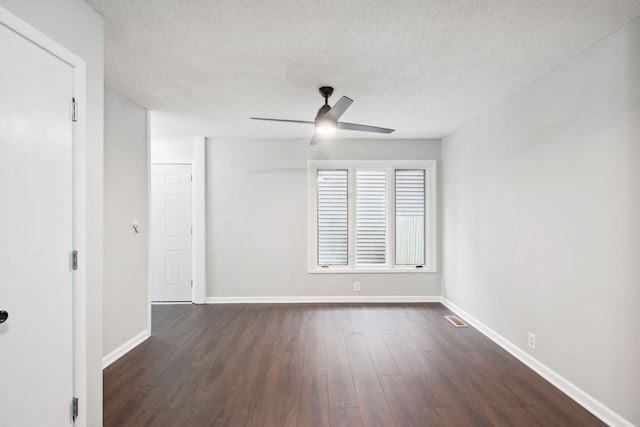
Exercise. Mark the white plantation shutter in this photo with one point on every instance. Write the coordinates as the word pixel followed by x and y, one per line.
pixel 371 216
pixel 410 218
pixel 332 217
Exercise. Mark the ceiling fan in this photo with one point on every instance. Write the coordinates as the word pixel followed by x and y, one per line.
pixel 326 121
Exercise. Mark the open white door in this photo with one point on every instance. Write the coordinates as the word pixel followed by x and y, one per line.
pixel 171 247
pixel 36 289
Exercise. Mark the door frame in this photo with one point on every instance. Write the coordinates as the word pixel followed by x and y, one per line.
pixel 79 179
pixel 198 267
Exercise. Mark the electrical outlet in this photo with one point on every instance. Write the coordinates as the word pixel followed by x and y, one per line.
pixel 356 286
pixel 532 340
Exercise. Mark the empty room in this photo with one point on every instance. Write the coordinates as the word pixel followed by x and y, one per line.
pixel 320 213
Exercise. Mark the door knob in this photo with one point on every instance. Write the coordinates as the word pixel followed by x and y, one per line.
pixel 3 316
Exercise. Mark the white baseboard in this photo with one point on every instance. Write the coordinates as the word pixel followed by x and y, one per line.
pixel 320 299
pixel 125 348
pixel 591 404
pixel 171 303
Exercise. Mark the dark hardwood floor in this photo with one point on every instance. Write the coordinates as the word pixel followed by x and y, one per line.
pixel 339 365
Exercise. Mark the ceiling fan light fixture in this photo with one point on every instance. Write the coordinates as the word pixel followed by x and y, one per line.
pixel 326 127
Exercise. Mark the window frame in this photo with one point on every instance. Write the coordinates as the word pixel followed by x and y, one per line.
pixel 431 197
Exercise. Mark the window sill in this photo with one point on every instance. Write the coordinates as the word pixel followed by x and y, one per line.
pixel 338 270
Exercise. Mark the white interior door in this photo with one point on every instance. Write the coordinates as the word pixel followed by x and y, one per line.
pixel 171 233
pixel 36 341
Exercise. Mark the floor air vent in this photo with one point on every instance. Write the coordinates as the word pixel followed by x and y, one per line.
pixel 456 321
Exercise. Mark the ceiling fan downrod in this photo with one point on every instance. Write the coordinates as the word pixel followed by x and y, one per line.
pixel 326 92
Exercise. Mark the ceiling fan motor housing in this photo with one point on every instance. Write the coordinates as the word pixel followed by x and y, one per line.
pixel 322 111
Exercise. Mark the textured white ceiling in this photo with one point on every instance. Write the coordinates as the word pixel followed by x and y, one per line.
pixel 423 67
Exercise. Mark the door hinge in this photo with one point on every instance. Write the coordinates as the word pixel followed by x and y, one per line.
pixel 192 283
pixel 74 408
pixel 74 110
pixel 191 177
pixel 74 260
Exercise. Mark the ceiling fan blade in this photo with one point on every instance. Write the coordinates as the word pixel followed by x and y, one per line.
pixel 339 108
pixel 283 120
pixel 364 128
pixel 314 139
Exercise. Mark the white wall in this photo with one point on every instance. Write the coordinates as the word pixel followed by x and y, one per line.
pixel 257 219
pixel 541 220
pixel 126 253
pixel 171 148
pixel 75 26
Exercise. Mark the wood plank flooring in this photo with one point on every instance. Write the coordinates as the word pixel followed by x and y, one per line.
pixel 315 365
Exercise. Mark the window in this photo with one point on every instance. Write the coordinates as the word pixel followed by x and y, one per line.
pixel 410 236
pixel 332 217
pixel 372 216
